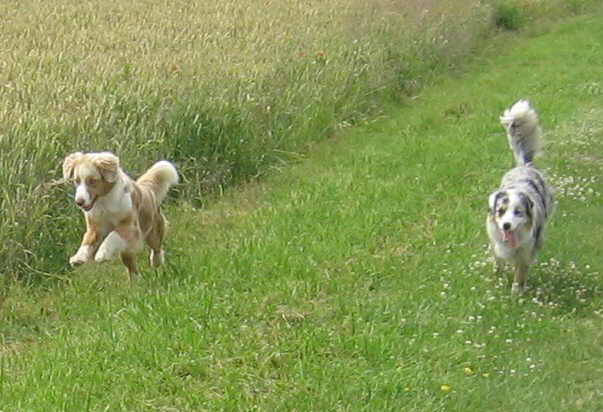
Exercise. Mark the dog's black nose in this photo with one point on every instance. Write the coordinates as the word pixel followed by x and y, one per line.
pixel 506 226
pixel 79 202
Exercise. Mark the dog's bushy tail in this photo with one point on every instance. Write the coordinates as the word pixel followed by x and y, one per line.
pixel 523 131
pixel 159 178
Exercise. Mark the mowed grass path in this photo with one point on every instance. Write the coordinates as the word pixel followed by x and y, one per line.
pixel 357 279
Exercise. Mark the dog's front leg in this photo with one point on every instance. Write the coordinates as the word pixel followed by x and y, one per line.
pixel 124 241
pixel 519 282
pixel 498 265
pixel 84 254
pixel 113 245
pixel 92 238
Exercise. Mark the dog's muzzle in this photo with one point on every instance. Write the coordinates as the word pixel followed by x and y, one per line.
pixel 510 238
pixel 81 203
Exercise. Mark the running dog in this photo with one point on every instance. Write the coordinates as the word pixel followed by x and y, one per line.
pixel 120 212
pixel 520 209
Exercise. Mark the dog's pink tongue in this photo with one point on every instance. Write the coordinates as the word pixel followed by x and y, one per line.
pixel 510 237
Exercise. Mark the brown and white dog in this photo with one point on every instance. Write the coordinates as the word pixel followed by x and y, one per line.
pixel 120 212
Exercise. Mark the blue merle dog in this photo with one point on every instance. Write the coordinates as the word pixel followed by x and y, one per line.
pixel 520 208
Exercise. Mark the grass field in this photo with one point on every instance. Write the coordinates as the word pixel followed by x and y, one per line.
pixel 356 278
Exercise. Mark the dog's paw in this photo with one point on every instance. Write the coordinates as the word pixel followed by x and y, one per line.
pixel 83 255
pixel 103 255
pixel 157 259
pixel 517 289
pixel 77 260
pixel 112 247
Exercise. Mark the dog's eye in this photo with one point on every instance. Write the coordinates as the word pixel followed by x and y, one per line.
pixel 517 212
pixel 501 211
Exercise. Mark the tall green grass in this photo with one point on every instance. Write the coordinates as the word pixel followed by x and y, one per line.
pixel 224 89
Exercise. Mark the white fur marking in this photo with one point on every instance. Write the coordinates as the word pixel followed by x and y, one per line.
pixel 113 245
pixel 82 195
pixel 157 259
pixel 83 255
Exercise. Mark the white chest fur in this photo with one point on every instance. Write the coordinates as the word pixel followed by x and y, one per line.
pixel 114 206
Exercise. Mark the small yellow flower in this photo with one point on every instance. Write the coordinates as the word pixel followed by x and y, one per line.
pixel 468 371
pixel 485 375
pixel 446 388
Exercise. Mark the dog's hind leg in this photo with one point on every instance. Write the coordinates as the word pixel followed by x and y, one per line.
pixel 155 239
pixel 129 260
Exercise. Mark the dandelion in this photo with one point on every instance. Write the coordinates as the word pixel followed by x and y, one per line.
pixel 445 388
pixel 468 371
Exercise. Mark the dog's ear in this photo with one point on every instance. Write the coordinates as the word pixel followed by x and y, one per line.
pixel 69 164
pixel 108 165
pixel 528 204
pixel 493 201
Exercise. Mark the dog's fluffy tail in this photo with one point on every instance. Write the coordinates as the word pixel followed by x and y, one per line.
pixel 159 178
pixel 523 131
